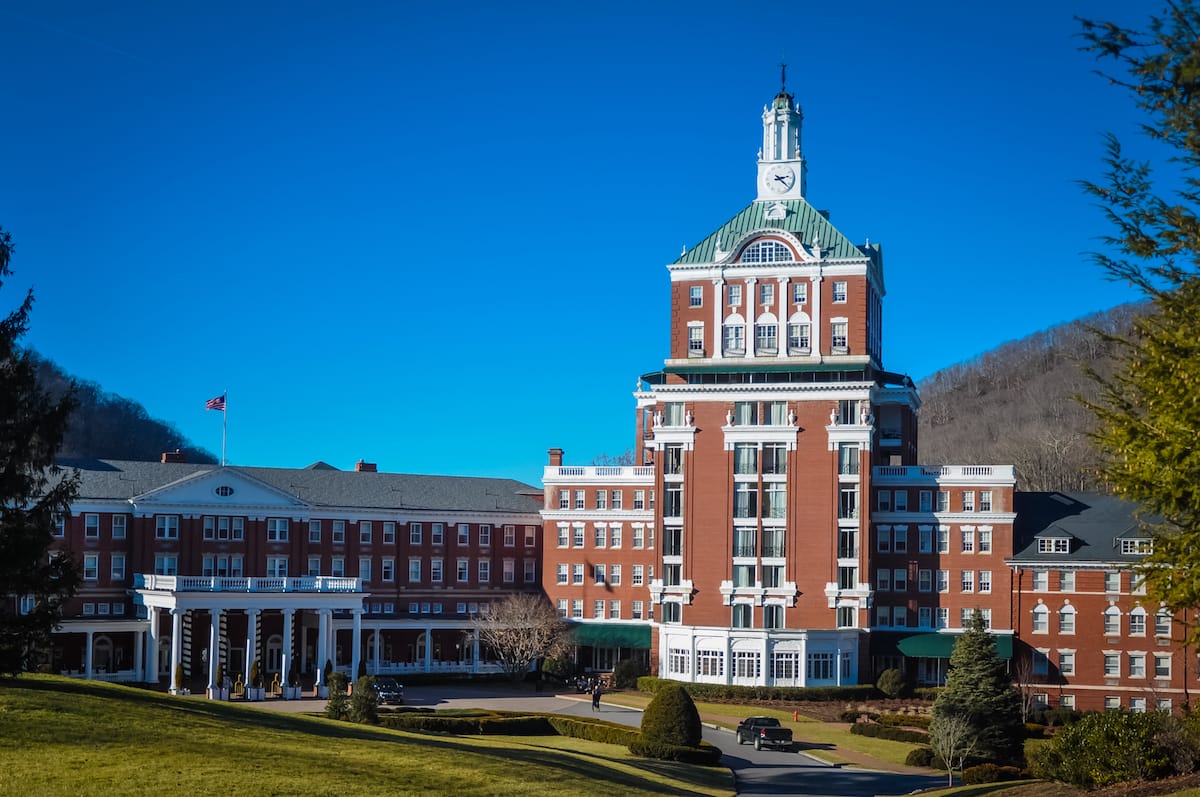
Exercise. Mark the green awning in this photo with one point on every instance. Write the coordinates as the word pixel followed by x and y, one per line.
pixel 940 646
pixel 610 635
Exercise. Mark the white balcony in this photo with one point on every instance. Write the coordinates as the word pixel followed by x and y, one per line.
pixel 320 584
pixel 944 474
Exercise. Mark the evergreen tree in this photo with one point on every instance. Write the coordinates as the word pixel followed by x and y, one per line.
pixel 1149 417
pixel 33 492
pixel 978 689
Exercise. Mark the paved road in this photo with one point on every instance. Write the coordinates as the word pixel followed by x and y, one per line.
pixel 757 771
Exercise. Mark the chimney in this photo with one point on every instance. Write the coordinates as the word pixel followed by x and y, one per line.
pixel 365 467
pixel 174 456
pixel 556 455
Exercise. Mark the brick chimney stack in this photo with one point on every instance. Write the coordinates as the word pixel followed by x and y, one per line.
pixel 365 467
pixel 556 455
pixel 174 456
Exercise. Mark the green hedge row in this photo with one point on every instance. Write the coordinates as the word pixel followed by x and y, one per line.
pixel 924 757
pixel 990 773
pixel 705 755
pixel 890 733
pixel 905 720
pixel 593 730
pixel 809 694
pixel 474 726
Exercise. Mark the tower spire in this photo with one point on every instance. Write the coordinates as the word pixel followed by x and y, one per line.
pixel 783 77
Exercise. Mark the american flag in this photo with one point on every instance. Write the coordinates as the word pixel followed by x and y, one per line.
pixel 217 403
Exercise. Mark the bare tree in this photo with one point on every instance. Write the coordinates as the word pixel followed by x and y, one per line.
pixel 953 739
pixel 1024 680
pixel 520 629
pixel 606 460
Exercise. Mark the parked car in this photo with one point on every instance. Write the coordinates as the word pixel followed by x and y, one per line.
pixel 389 691
pixel 764 732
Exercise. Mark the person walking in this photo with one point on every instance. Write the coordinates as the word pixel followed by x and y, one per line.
pixel 596 692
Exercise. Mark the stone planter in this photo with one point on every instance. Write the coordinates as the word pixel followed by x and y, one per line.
pixel 255 694
pixel 323 692
pixel 218 694
pixel 291 693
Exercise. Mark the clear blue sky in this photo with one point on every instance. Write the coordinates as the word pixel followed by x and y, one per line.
pixel 434 235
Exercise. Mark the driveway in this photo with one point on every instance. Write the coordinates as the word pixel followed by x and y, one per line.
pixel 757 771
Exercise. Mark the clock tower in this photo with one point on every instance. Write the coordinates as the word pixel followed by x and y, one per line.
pixel 781 170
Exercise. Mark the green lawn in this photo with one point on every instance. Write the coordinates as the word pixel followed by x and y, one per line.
pixel 64 736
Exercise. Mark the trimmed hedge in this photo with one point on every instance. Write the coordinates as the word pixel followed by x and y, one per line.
pixel 905 720
pixel 924 757
pixel 990 773
pixel 720 692
pixel 888 732
pixel 593 730
pixel 705 754
pixel 474 726
pixel 929 693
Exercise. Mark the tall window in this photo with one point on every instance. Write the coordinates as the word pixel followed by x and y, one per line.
pixel 839 339
pixel 118 527
pixel 766 338
pixel 800 292
pixel 799 336
pixel 839 292
pixel 766 293
pixel 743 615
pixel 364 532
pixel 735 295
pixel 166 527
pixel 774 459
pixel 733 337
pixel 696 339
pixel 745 500
pixel 745 458
pixel 696 296
pixel 277 529
pixel 339 531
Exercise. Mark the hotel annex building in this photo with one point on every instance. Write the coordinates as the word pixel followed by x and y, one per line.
pixel 775 527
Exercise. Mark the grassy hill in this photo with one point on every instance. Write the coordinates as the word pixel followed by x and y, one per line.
pixel 64 736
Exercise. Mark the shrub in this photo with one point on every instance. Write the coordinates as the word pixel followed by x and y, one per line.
pixel 293 677
pixel 593 731
pixel 704 754
pixel 891 683
pixel 364 703
pixel 671 718
pixel 338 707
pixel 851 715
pixel 256 679
pixel 719 692
pixel 905 720
pixel 178 677
pixel 626 673
pixel 924 757
pixel 989 773
pixel 1104 748
pixel 888 732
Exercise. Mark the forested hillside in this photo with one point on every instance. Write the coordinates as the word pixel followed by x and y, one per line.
pixel 112 427
pixel 1017 405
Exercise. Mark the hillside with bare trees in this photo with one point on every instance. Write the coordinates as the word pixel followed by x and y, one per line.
pixel 1018 404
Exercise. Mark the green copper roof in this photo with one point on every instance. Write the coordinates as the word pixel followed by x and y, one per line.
pixel 802 219
pixel 941 646
pixel 610 635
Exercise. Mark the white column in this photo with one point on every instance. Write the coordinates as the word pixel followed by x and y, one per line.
pixel 375 649
pixel 837 663
pixel 322 644
pixel 251 643
pixel 475 651
pixel 814 301
pixel 285 663
pixel 751 315
pixel 718 310
pixel 784 302
pixel 176 648
pixel 139 654
pixel 87 655
pixel 303 647
pixel 152 648
pixel 356 644
pixel 214 649
pixel 428 647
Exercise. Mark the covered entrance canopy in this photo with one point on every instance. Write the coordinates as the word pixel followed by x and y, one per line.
pixel 941 646
pixel 609 635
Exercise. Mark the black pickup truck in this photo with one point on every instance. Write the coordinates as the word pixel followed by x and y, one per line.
pixel 764 732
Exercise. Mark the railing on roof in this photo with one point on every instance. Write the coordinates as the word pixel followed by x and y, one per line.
pixel 985 473
pixel 238 584
pixel 601 471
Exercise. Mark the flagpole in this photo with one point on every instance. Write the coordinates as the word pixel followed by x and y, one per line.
pixel 224 424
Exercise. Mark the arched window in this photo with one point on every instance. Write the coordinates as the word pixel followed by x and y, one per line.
pixel 767 252
pixel 1137 621
pixel 733 336
pixel 1041 619
pixel 766 334
pixel 1112 621
pixel 1066 619
pixel 799 334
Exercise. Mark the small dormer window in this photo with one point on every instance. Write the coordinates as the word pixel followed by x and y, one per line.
pixel 767 252
pixel 1054 545
pixel 224 491
pixel 1139 546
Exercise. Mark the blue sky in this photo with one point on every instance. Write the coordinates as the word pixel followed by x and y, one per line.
pixel 434 236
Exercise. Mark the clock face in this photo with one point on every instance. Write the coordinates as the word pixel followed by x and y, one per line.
pixel 780 179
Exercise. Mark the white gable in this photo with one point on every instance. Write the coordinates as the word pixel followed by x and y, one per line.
pixel 217 491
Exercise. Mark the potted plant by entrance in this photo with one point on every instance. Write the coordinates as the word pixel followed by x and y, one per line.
pixel 292 690
pixel 221 692
pixel 177 687
pixel 255 691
